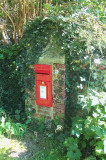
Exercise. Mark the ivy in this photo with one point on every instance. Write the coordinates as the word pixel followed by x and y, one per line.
pixel 73 151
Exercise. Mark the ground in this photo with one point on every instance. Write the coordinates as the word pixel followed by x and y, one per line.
pixel 18 149
pixel 30 147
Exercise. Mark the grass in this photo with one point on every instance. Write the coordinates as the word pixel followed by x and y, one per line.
pixel 40 144
pixel 4 155
pixel 30 147
pixel 41 147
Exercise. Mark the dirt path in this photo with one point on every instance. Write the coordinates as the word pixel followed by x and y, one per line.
pixel 22 149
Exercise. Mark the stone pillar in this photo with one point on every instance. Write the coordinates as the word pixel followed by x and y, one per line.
pixel 58 89
pixel 51 56
pixel 58 86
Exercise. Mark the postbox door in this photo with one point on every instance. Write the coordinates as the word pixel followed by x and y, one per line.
pixel 43 82
pixel 43 93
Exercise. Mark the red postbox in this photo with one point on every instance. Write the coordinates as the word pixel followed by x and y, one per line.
pixel 43 82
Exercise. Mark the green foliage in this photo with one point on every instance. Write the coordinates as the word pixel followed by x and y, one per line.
pixel 56 120
pixel 9 128
pixel 11 95
pixel 48 139
pixel 90 158
pixel 72 147
pixel 90 130
pixel 41 125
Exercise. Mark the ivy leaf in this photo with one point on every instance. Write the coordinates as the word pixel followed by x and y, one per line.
pixel 73 151
pixel 99 148
pixel 97 131
pixel 74 154
pixel 1 56
pixel 90 158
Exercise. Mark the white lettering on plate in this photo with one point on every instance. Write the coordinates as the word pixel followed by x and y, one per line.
pixel 43 92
